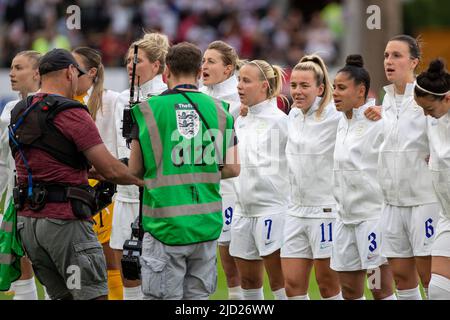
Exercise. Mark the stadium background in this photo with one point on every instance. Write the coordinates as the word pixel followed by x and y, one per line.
pixel 279 31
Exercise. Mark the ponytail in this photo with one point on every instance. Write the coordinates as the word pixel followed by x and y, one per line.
pixel 95 101
pixel 315 64
pixel 93 59
pixel 273 74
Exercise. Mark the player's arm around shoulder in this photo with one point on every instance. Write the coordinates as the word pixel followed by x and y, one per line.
pixel 373 113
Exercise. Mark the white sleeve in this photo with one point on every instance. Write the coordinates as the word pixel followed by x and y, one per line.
pixel 115 137
pixel 4 146
pixel 122 149
pixel 3 168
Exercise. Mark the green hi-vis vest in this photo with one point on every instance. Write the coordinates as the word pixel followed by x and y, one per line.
pixel 181 202
pixel 10 249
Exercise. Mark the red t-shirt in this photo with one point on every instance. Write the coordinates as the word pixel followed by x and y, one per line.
pixel 77 126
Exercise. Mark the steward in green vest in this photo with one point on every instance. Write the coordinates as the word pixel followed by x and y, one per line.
pixel 184 144
pixel 182 202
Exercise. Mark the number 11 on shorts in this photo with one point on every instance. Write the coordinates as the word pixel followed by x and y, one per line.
pixel 330 235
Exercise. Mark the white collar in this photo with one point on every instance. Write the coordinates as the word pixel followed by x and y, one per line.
pixel 260 107
pixel 314 107
pixel 152 87
pixel 409 90
pixel 225 88
pixel 358 113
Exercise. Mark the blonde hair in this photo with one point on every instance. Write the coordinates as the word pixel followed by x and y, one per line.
pixel 227 52
pixel 155 46
pixel 315 64
pixel 32 55
pixel 93 59
pixel 273 74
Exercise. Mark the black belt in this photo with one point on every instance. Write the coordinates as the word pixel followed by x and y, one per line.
pixel 52 193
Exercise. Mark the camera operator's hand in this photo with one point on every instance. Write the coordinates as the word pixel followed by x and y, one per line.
pixel 93 174
pixel 109 167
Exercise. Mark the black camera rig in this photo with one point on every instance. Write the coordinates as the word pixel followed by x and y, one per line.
pixel 132 248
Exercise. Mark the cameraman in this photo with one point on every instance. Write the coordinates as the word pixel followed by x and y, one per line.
pixel 182 208
pixel 55 141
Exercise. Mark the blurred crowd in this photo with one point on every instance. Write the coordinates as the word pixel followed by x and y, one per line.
pixel 266 29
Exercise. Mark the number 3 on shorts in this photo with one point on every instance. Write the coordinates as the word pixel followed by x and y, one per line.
pixel 372 241
pixel 268 224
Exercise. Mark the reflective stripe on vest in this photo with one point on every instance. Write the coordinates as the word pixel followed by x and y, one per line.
pixel 6 226
pixel 10 248
pixel 179 179
pixel 186 210
pixel 6 258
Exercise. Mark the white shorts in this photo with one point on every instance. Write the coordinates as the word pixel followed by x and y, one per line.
pixel 409 231
pixel 228 205
pixel 256 237
pixel 307 238
pixel 124 215
pixel 356 246
pixel 441 245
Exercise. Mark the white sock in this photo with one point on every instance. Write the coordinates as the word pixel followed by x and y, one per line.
pixel 280 294
pixel 235 293
pixel 392 297
pixel 425 290
pixel 439 287
pixel 409 294
pixel 134 293
pixel 336 297
pixel 305 297
pixel 25 290
pixel 253 294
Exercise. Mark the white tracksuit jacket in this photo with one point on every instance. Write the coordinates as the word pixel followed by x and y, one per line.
pixel 226 91
pixel 403 169
pixel 439 135
pixel 263 185
pixel 105 119
pixel 309 152
pixel 356 154
pixel 151 88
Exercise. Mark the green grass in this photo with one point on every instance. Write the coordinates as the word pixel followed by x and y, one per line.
pixel 314 294
pixel 221 292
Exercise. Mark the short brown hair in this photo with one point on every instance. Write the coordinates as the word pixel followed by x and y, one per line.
pixel 227 52
pixel 184 59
